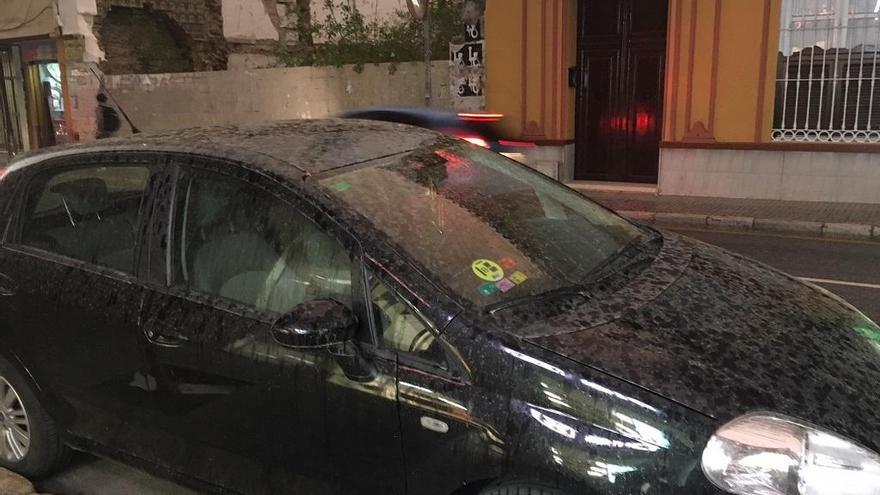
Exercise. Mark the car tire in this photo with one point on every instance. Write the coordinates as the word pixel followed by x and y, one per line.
pixel 45 452
pixel 518 488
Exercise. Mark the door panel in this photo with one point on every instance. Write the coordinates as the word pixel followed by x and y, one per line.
pixel 647 98
pixel 261 418
pixel 603 18
pixel 71 258
pixel 237 251
pixel 620 107
pixel 446 441
pixel 599 129
pixel 648 18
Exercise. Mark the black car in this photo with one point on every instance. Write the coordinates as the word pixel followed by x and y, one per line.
pixel 345 306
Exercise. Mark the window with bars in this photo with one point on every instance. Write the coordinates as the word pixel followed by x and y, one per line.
pixel 827 86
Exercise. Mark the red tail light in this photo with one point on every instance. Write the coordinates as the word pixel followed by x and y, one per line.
pixel 480 116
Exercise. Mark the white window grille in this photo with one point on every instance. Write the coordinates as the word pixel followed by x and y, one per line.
pixel 827 81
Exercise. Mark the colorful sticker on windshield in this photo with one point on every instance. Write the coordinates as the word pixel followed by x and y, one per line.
pixel 488 289
pixel 507 262
pixel 487 270
pixel 342 186
pixel 518 277
pixel 504 285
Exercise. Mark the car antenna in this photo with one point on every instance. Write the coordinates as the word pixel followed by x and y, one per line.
pixel 134 129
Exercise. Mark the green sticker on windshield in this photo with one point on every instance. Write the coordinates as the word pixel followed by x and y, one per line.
pixel 342 186
pixel 488 289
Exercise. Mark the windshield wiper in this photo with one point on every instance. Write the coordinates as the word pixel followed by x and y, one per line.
pixel 574 290
pixel 622 258
pixel 613 263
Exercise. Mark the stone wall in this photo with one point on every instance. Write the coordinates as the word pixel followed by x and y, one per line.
pixel 169 101
pixel 199 21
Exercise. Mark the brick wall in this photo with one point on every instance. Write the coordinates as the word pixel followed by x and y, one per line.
pixel 200 21
pixel 169 101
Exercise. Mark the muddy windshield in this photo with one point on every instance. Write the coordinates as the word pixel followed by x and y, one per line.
pixel 484 226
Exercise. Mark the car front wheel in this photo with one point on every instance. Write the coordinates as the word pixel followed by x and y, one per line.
pixel 30 443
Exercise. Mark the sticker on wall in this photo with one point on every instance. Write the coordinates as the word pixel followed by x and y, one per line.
pixel 466 54
pixel 487 270
pixel 518 277
pixel 504 285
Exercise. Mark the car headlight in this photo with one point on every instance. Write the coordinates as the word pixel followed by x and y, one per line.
pixel 771 454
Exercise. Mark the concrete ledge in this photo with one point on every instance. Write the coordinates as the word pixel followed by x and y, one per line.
pixel 788 226
pixel 771 225
pixel 847 230
pixel 730 222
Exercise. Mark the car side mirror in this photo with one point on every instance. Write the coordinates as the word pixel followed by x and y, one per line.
pixel 318 323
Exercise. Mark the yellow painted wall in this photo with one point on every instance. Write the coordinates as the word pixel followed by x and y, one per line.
pixel 715 50
pixel 537 102
pixel 503 61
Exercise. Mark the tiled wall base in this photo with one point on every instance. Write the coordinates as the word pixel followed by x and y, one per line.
pixel 554 161
pixel 787 175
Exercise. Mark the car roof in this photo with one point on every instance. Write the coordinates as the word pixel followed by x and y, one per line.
pixel 291 149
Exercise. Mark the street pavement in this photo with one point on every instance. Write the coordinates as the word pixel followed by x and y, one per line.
pixel 87 475
pixel 849 268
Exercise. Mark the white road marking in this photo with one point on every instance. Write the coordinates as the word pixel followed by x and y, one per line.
pixel 840 282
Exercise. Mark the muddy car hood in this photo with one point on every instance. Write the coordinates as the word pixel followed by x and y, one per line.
pixel 724 335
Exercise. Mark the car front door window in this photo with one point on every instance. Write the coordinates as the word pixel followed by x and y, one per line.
pixel 243 244
pixel 401 327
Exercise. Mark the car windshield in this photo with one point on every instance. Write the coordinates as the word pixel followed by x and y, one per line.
pixel 484 226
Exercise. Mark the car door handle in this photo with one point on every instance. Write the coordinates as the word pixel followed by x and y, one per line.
pixel 8 287
pixel 165 340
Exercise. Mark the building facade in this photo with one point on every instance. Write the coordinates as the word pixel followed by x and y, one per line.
pixel 179 62
pixel 776 99
pixel 48 46
pixel 34 101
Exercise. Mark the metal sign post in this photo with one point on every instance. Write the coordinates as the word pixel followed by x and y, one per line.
pixel 421 9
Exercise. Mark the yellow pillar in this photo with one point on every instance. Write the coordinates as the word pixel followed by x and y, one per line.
pixel 721 70
pixel 530 44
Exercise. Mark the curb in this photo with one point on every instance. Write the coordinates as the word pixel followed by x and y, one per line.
pixel 829 230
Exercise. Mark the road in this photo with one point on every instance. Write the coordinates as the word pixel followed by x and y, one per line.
pixel 849 268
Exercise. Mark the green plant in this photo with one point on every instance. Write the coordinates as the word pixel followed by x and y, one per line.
pixel 345 36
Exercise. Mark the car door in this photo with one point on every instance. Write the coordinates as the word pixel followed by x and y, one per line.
pixel 446 439
pixel 239 251
pixel 71 297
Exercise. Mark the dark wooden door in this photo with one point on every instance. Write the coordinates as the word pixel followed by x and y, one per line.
pixel 621 59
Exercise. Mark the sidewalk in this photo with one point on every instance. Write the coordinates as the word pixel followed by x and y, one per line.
pixel 835 220
pixel 13 484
